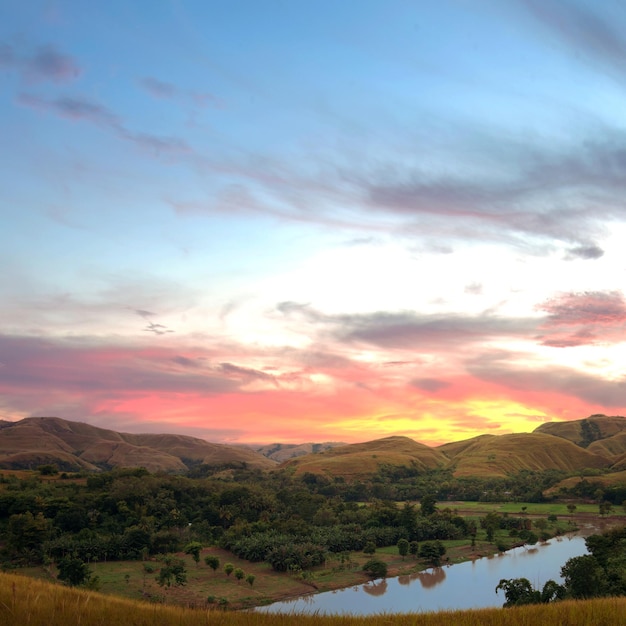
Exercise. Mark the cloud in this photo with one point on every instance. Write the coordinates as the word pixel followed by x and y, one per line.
pixel 590 307
pixel 158 88
pixel 7 59
pixel 49 64
pixel 163 90
pixel 45 64
pixel 585 252
pixel 89 368
pixel 536 383
pixel 588 318
pixel 245 374
pixel 584 30
pixel 73 109
pixel 429 384
pixel 81 109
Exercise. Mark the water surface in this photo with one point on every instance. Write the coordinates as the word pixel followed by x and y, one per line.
pixel 463 586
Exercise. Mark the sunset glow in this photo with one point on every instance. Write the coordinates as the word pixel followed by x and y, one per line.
pixel 260 222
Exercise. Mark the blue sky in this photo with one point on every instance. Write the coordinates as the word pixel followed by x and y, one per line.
pixel 271 221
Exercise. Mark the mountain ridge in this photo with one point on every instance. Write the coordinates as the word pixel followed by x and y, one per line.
pixel 597 442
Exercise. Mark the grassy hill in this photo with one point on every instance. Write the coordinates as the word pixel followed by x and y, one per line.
pixel 585 431
pixel 505 454
pixel 280 452
pixel 363 459
pixel 74 445
pixel 606 480
pixel 596 442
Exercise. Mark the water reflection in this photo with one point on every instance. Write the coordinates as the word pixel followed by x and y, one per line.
pixel 462 586
pixel 376 588
pixel 431 577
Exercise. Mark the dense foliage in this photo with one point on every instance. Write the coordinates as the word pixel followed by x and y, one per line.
pixel 292 522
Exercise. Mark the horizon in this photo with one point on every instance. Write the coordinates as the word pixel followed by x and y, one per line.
pixel 255 221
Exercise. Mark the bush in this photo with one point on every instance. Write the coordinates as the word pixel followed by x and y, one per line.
pixel 375 568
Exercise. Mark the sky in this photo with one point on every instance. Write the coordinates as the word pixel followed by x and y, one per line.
pixel 258 221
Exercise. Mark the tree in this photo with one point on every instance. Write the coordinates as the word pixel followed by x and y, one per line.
pixel 414 548
pixel 571 508
pixel 369 548
pixel 403 548
pixel 193 548
pixel 239 574
pixel 375 568
pixel 491 523
pixel 519 591
pixel 73 571
pixel 26 534
pixel 212 561
pixel 250 578
pixel 427 505
pixel 228 569
pixel 584 577
pixel 432 551
pixel 172 571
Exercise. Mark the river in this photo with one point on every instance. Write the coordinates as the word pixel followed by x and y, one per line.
pixel 462 586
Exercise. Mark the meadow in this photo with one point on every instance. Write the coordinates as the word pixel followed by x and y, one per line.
pixel 29 602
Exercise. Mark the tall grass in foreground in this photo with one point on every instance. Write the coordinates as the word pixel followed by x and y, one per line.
pixel 28 602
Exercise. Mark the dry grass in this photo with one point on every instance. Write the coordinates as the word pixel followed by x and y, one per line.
pixel 41 440
pixel 506 454
pixel 28 602
pixel 364 459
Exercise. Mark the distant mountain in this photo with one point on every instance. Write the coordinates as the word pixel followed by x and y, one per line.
pixel 362 459
pixel 284 451
pixel 74 445
pixel 597 442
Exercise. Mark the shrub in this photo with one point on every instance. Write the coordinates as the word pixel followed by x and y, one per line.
pixel 375 568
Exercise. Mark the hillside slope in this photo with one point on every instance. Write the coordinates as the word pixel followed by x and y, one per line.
pixel 585 431
pixel 284 451
pixel 75 445
pixel 505 454
pixel 363 459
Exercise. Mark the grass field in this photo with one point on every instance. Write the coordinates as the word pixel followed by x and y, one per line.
pixel 531 508
pixel 28 602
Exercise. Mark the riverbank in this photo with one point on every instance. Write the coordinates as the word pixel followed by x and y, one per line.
pixel 206 588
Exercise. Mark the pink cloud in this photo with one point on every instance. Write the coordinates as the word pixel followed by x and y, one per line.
pixel 45 64
pixel 576 319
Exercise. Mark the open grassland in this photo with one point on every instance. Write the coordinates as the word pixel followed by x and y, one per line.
pixel 526 508
pixel 28 602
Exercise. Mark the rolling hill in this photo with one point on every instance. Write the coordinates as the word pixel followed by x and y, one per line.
pixel 284 451
pixel 598 442
pixel 499 455
pixel 71 446
pixel 363 459
pixel 586 431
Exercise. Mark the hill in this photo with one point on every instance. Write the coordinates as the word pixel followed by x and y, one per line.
pixel 284 451
pixel 606 480
pixel 72 446
pixel 363 459
pixel 585 431
pixel 505 454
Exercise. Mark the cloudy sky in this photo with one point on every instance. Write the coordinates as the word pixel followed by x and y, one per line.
pixel 294 220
